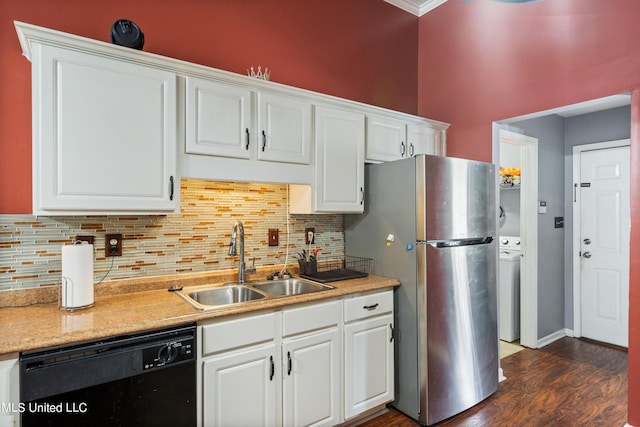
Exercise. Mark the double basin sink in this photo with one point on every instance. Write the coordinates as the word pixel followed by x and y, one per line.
pixel 218 296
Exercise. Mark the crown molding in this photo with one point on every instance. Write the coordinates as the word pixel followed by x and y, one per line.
pixel 416 7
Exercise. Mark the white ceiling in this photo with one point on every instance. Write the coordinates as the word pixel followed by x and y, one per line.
pixel 416 7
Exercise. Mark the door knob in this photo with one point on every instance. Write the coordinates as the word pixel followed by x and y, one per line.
pixel 587 241
pixel 587 254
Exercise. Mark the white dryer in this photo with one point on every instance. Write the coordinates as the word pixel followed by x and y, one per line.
pixel 509 289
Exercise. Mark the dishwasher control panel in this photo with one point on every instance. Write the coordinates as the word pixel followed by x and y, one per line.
pixel 167 352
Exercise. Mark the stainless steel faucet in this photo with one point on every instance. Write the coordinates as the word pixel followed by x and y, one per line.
pixel 233 251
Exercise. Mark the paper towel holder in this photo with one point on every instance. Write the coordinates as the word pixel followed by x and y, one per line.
pixel 68 288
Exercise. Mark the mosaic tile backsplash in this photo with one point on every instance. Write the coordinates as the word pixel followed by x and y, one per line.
pixel 197 240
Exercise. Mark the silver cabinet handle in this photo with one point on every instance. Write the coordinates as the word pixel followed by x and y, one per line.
pixel 587 254
pixel 264 140
pixel 361 195
pixel 248 139
pixel 587 241
pixel 411 150
pixel 402 149
pixel 371 307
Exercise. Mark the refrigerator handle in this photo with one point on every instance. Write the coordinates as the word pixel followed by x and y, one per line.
pixel 456 243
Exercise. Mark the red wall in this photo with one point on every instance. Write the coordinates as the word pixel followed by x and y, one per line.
pixel 481 61
pixel 356 49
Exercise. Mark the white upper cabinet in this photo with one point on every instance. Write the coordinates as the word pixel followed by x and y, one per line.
pixel 112 126
pixel 104 135
pixel 339 171
pixel 390 138
pixel 220 122
pixel 386 138
pixel 284 128
pixel 425 139
pixel 218 118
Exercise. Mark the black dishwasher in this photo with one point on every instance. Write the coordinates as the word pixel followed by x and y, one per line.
pixel 137 380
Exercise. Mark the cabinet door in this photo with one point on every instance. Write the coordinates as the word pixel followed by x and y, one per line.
pixel 284 129
pixel 424 139
pixel 104 135
pixel 9 390
pixel 339 172
pixel 240 388
pixel 311 379
pixel 217 118
pixel 368 364
pixel 386 139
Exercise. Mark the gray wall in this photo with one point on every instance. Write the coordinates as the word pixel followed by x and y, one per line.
pixel 551 287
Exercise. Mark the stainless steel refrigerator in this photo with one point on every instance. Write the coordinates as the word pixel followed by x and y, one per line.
pixel 430 221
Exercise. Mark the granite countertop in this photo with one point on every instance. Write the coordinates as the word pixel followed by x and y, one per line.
pixel 37 322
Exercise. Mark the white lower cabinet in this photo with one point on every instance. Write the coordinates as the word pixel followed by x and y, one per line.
pixel 9 390
pixel 238 381
pixel 311 353
pixel 239 388
pixel 368 352
pixel 275 369
pixel 311 385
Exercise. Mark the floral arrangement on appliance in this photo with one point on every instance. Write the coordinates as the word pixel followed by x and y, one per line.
pixel 510 177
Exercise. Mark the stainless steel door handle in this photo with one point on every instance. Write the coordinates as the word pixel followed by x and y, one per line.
pixel 587 241
pixel 587 254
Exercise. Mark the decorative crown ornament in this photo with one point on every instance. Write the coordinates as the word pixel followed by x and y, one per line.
pixel 262 75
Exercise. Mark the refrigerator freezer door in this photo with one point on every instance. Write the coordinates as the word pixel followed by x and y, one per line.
pixel 456 198
pixel 457 306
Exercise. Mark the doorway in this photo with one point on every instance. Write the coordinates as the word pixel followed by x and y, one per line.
pixel 601 212
pixel 607 126
pixel 528 232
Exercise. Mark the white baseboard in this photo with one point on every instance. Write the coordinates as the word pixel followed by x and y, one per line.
pixel 552 337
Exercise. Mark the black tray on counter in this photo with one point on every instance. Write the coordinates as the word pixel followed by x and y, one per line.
pixel 333 270
pixel 335 275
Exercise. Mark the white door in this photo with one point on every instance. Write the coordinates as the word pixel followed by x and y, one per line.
pixel 604 244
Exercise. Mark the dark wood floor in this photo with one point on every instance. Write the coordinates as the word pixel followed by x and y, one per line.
pixel 571 382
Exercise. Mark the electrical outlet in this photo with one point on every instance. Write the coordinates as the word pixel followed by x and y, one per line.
pixel 113 245
pixel 88 239
pixel 273 237
pixel 309 235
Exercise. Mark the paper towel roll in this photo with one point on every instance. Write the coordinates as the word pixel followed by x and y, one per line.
pixel 77 276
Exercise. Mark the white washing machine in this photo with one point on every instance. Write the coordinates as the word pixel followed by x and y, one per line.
pixel 509 289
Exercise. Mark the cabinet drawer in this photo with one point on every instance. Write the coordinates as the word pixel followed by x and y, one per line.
pixel 240 332
pixel 309 318
pixel 368 305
